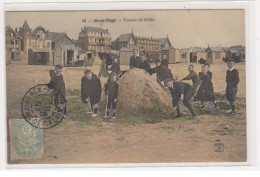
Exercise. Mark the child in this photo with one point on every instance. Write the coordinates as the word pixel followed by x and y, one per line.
pixel 206 91
pixel 91 88
pixel 181 92
pixel 232 80
pixel 111 91
pixel 144 63
pixel 116 66
pixel 193 76
pixel 57 83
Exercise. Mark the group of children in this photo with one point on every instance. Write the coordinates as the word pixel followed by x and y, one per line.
pixel 201 90
pixel 91 92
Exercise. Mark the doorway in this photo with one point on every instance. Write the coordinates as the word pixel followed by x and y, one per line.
pixel 70 55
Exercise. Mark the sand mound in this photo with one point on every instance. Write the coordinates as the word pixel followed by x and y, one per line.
pixel 139 90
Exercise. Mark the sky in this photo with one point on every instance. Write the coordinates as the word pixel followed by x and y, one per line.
pixel 185 28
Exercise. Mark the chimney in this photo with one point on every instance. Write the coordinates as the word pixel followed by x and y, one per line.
pixel 16 30
pixel 106 30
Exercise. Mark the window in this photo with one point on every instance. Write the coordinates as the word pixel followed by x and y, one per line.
pixel 209 54
pixel 217 55
pixel 48 45
pixel 12 42
pixel 183 55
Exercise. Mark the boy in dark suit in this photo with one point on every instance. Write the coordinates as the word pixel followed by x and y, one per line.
pixel 57 83
pixel 232 80
pixel 111 91
pixel 91 90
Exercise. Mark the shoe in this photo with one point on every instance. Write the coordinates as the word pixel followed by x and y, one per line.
pixel 106 116
pixel 114 117
pixel 89 112
pixel 231 113
pixel 178 116
pixel 94 115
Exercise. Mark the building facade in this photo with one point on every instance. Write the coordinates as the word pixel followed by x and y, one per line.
pixel 148 45
pixel 13 44
pixel 214 55
pixel 95 40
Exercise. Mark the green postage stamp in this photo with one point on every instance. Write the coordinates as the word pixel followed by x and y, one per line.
pixel 26 140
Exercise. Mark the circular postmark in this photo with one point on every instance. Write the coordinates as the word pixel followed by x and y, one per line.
pixel 43 106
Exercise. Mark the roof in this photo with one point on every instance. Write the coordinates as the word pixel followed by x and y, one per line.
pixel 124 37
pixel 163 40
pixel 166 48
pixel 216 49
pixel 69 47
pixel 25 25
pixel 126 49
pixel 239 48
pixel 184 50
pixel 38 29
pixel 233 51
pixel 55 36
pixel 199 50
pixel 40 50
pixel 10 28
pixel 94 29
pixel 146 38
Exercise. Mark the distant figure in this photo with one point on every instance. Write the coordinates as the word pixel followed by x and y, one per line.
pixel 57 83
pixel 165 61
pixel 91 90
pixel 111 91
pixel 181 92
pixel 162 71
pixel 134 60
pixel 206 91
pixel 193 76
pixel 103 68
pixel 232 80
pixel 144 63
pixel 116 66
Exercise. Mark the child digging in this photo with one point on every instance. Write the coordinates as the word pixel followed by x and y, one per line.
pixel 91 90
pixel 111 91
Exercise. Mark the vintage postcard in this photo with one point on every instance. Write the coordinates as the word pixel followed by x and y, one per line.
pixel 128 86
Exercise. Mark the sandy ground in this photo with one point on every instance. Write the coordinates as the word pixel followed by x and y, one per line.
pixel 187 141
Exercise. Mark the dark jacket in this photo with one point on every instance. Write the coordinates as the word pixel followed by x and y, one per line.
pixel 194 77
pixel 145 65
pixel 162 72
pixel 165 62
pixel 180 88
pixel 232 77
pixel 116 68
pixel 206 90
pixel 57 83
pixel 112 90
pixel 90 88
pixel 134 62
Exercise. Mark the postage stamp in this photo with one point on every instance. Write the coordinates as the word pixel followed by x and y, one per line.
pixel 26 140
pixel 43 106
